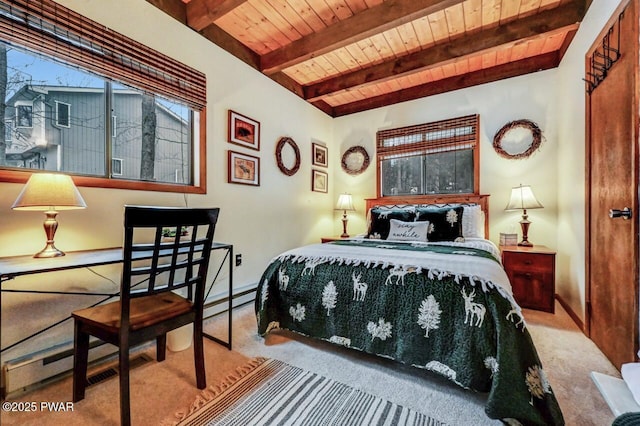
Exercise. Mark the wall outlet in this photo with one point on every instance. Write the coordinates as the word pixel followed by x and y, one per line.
pixel 238 259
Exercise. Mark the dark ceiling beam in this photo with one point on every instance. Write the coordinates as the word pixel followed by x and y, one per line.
pixel 179 11
pixel 367 23
pixel 176 9
pixel 500 72
pixel 225 41
pixel 324 107
pixel 567 42
pixel 202 13
pixel 222 39
pixel 288 83
pixel 560 20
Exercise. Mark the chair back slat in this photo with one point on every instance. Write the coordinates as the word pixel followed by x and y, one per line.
pixel 174 256
pixel 167 267
pixel 174 265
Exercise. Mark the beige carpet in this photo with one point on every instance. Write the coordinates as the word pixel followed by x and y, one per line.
pixel 161 389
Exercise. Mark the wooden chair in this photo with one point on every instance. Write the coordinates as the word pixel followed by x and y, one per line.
pixel 148 307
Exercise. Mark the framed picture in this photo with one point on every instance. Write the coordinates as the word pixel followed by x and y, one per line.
pixel 320 157
pixel 243 169
pixel 244 131
pixel 319 181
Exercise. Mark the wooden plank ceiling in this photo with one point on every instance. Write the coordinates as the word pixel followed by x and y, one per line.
pixel 346 56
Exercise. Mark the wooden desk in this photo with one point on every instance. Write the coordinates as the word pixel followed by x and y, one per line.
pixel 15 266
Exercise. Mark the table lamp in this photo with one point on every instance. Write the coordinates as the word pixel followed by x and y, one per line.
pixel 49 192
pixel 345 202
pixel 522 198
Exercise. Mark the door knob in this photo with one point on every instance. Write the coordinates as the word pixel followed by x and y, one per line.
pixel 624 213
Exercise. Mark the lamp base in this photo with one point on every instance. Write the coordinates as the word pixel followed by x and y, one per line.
pixel 524 223
pixel 50 225
pixel 49 251
pixel 344 225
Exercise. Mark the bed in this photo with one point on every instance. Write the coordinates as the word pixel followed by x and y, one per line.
pixel 422 287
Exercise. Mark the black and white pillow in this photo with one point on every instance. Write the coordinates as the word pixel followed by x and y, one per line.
pixel 445 223
pixel 408 231
pixel 381 220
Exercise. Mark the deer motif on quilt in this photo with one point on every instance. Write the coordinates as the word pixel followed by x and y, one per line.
pixel 359 288
pixel 514 312
pixel 310 266
pixel 283 279
pixel 474 311
pixel 398 272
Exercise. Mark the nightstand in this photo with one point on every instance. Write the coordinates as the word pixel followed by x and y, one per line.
pixel 333 238
pixel 532 273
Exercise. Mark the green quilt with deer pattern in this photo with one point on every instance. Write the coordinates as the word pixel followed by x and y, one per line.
pixel 443 308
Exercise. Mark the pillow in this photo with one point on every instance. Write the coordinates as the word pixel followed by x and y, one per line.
pixel 473 221
pixel 380 220
pixel 446 222
pixel 408 231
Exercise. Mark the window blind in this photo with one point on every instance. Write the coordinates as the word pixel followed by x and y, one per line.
pixel 445 135
pixel 52 29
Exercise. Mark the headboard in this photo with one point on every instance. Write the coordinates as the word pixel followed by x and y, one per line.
pixel 400 200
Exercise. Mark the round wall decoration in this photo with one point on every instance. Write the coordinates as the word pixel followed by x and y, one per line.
pixel 355 160
pixel 291 152
pixel 517 139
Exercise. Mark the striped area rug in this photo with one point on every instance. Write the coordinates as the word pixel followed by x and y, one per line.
pixel 271 392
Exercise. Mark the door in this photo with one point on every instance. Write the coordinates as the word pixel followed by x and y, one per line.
pixel 612 184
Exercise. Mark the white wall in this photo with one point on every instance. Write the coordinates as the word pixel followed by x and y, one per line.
pixel 283 212
pixel 231 85
pixel 261 221
pixel 553 99
pixel 530 97
pixel 571 157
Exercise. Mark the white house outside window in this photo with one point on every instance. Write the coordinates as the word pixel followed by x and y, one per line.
pixel 67 76
pixel 84 147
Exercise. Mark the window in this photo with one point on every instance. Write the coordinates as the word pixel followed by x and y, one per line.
pixel 24 115
pixel 8 132
pixel 57 58
pixel 63 114
pixel 433 158
pixel 116 166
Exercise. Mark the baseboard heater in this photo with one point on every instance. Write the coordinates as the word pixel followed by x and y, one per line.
pixel 40 368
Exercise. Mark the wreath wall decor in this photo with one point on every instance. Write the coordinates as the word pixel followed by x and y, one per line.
pixel 355 160
pixel 517 139
pixel 282 143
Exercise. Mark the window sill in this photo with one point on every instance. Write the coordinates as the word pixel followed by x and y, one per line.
pixel 19 176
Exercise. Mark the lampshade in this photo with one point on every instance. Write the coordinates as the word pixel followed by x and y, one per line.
pixel 345 202
pixel 49 191
pixel 522 198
